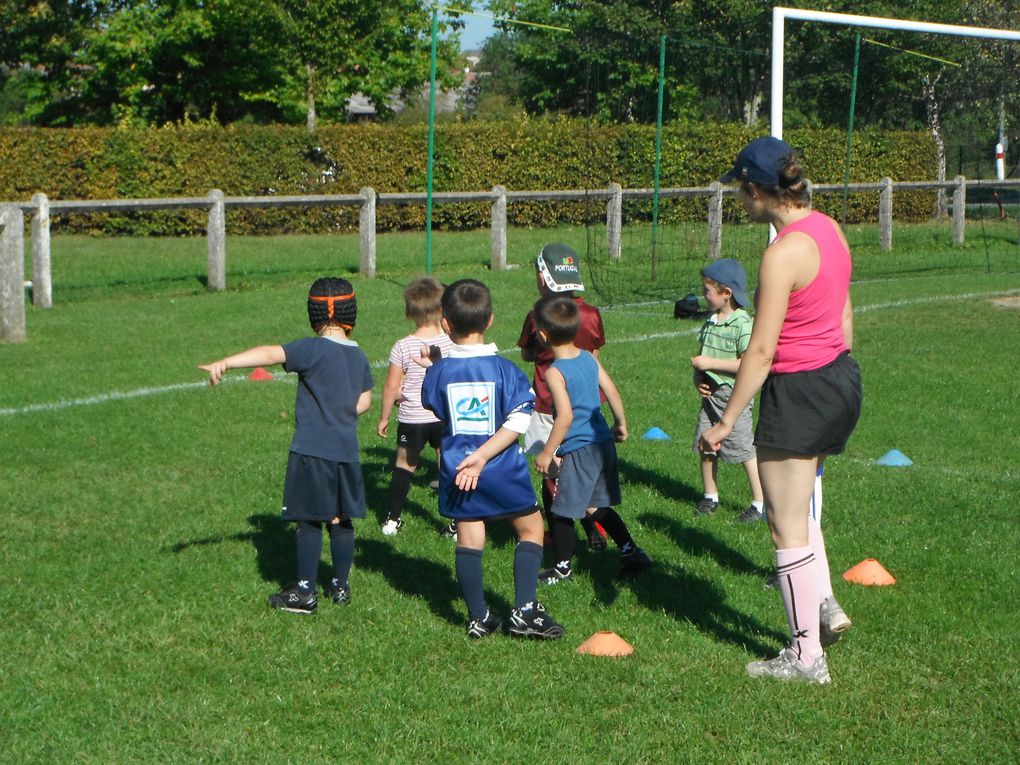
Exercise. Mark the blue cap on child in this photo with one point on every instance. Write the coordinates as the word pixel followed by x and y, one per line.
pixel 729 273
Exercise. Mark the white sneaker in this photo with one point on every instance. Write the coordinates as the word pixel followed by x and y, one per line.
pixel 832 622
pixel 391 527
pixel 786 667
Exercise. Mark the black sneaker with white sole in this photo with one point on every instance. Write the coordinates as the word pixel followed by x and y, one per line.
pixel 480 628
pixel 633 563
pixel 555 575
pixel 534 621
pixel 339 595
pixel 293 600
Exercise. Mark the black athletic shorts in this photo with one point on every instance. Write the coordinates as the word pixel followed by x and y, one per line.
pixel 812 412
pixel 321 490
pixel 414 435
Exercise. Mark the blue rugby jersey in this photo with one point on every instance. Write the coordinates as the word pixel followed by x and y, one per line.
pixel 475 393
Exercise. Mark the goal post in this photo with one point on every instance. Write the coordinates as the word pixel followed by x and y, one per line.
pixel 781 14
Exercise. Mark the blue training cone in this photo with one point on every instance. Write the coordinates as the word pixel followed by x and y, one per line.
pixel 655 434
pixel 894 458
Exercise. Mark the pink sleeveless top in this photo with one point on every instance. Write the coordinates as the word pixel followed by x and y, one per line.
pixel 812 333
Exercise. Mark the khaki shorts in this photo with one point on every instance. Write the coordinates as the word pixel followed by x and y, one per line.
pixel 739 446
pixel 539 428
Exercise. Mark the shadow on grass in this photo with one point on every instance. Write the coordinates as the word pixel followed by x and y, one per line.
pixel 669 589
pixel 665 485
pixel 273 539
pixel 419 578
pixel 702 544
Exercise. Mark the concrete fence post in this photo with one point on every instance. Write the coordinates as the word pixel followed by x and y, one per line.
pixel 216 236
pixel 715 221
pixel 366 231
pixel 12 274
pixel 614 221
pixel 42 282
pixel 498 228
pixel 885 215
pixel 959 209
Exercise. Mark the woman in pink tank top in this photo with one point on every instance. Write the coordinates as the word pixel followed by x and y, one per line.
pixel 798 357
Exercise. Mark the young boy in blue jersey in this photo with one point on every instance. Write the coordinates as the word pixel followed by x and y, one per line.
pixel 486 403
pixel 324 483
pixel 580 450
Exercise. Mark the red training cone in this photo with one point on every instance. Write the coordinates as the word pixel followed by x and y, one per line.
pixel 606 644
pixel 260 375
pixel 869 572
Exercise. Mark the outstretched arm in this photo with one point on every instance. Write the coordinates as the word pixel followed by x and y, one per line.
pixel 261 356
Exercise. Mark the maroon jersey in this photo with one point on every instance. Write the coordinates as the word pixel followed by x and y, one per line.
pixel 590 337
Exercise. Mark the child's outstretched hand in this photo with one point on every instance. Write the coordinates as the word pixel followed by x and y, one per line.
pixel 469 471
pixel 429 355
pixel 216 370
pixel 546 463
pixel 383 428
pixel 620 432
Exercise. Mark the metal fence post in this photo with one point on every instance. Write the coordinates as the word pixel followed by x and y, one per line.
pixel 498 246
pixel 885 215
pixel 959 209
pixel 12 274
pixel 366 230
pixel 42 283
pixel 614 221
pixel 216 236
pixel 715 221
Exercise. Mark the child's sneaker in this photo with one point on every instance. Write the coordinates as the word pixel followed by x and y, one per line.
pixel 751 515
pixel 479 628
pixel 832 622
pixel 339 595
pixel 786 667
pixel 706 507
pixel 556 574
pixel 534 621
pixel 633 563
pixel 450 532
pixel 392 526
pixel 295 601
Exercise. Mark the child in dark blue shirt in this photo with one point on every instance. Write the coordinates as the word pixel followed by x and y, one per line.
pixel 485 402
pixel 324 483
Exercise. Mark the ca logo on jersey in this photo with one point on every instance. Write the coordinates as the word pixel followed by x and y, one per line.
pixel 471 407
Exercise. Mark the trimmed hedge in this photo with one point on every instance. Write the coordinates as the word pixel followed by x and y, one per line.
pixel 524 154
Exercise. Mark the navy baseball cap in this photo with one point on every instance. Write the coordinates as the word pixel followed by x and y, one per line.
pixel 760 162
pixel 729 273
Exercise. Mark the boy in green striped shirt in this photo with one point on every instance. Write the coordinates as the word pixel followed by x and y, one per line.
pixel 723 339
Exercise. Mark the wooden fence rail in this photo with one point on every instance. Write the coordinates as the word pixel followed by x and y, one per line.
pixel 216 204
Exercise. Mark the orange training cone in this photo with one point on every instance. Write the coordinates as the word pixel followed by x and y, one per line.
pixel 869 572
pixel 260 375
pixel 606 644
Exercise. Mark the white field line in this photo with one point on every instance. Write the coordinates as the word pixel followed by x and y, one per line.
pixel 104 398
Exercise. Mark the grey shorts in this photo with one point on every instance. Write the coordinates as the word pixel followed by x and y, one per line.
pixel 589 477
pixel 739 447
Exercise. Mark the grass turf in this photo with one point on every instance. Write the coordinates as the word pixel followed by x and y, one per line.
pixel 141 535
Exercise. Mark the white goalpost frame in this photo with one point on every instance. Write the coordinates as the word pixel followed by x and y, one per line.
pixel 780 14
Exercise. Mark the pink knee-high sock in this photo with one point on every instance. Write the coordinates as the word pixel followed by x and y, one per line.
pixel 797 572
pixel 816 543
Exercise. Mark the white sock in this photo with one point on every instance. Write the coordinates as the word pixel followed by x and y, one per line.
pixel 758 504
pixel 713 497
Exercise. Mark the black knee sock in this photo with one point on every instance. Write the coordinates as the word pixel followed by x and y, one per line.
pixel 309 550
pixel 527 564
pixel 469 575
pixel 563 538
pixel 589 526
pixel 341 545
pixel 547 495
pixel 400 485
pixel 611 521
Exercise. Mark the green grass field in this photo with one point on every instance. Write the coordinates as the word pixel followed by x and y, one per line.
pixel 140 537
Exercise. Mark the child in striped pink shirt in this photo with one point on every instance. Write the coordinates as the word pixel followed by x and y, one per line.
pixel 416 426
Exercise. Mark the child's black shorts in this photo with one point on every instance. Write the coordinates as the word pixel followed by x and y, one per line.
pixel 414 435
pixel 321 490
pixel 811 412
